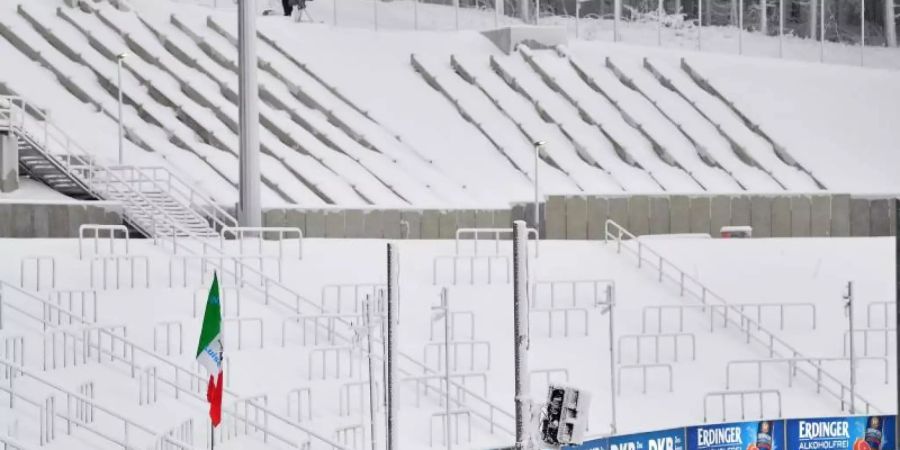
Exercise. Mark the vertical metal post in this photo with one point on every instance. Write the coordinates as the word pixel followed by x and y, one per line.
pixel 659 13
pixel 415 14
pixel 538 146
pixel 445 303
pixel 373 397
pixel 821 31
pixel 617 16
pixel 862 32
pixel 537 12
pixel 393 294
pixel 577 14
pixel 611 295
pixel 249 211
pixel 897 301
pixel 119 59
pixel 849 297
pixel 375 13
pixel 699 24
pixel 520 305
pixel 741 27
pixel 456 16
pixel 781 28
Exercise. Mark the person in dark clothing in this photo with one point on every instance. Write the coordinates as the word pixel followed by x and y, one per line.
pixel 286 4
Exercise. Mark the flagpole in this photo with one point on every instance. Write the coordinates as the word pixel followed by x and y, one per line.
pixel 212 436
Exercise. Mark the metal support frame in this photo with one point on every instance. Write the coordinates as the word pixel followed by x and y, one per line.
pixel 249 208
pixel 520 328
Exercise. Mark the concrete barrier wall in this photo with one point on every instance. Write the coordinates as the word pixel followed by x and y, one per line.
pixel 23 219
pixel 584 217
pixel 794 215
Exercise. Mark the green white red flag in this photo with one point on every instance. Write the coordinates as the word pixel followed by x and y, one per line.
pixel 210 351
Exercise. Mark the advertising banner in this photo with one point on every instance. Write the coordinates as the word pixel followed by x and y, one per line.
pixel 756 435
pixel 656 440
pixel 842 433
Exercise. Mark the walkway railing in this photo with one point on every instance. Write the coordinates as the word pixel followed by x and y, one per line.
pixel 731 313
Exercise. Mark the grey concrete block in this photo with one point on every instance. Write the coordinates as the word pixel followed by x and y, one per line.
pixel 597 213
pixel 840 215
pixel 373 223
pixel 23 221
pixel 517 213
pixel 576 217
pixel 740 210
pixel 77 216
pixel 880 217
pixel 618 210
pixel 679 214
pixel 761 215
pixel 353 224
pixel 413 227
pixel 484 218
pixel 860 217
pixel 639 214
pixel 465 218
pixel 6 221
pixel 719 213
pixel 660 216
pixel 431 224
pixel 59 222
pixel 274 217
pixel 820 216
pixel 700 215
pixel 113 217
pixel 315 223
pixel 502 218
pixel 335 223
pixel 555 219
pixel 894 216
pixel 781 216
pixel 391 223
pixel 41 221
pixel 448 224
pixel 296 218
pixel 801 216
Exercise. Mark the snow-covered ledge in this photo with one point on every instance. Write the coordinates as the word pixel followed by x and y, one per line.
pixel 506 39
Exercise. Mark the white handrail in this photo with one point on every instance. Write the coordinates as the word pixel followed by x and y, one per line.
pixel 768 338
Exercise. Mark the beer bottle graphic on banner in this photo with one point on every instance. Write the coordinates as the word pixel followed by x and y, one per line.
pixel 763 436
pixel 873 435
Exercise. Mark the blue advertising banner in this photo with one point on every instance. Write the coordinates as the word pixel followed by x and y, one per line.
pixel 757 435
pixel 842 433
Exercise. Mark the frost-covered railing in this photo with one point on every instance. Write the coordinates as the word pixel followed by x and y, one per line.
pixel 260 233
pixel 129 427
pixel 85 231
pixel 495 233
pixel 731 313
pixel 791 364
pixel 760 394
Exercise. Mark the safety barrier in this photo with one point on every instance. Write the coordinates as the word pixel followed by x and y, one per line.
pixel 148 386
pixel 532 235
pixel 358 390
pixel 470 348
pixel 886 333
pixel 82 301
pixel 259 233
pixel 466 319
pixel 791 364
pixel 302 399
pixel 319 328
pixel 760 394
pixel 183 432
pixel 423 384
pixel 456 259
pixel 14 350
pixel 643 369
pixel 84 411
pixel 352 436
pixel 598 293
pixel 781 307
pixel 655 339
pixel 131 262
pixel 233 271
pixel 38 262
pixel 885 307
pixel 239 324
pixel 338 294
pixel 568 316
pixel 111 232
pixel 680 309
pixel 689 285
pixel 171 330
pixel 446 417
pixel 46 416
pixel 339 354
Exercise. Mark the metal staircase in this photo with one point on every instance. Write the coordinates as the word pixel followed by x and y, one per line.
pixel 155 202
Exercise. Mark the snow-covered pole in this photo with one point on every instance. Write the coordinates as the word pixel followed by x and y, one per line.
pixel 849 297
pixel 822 32
pixel 617 14
pixel 897 304
pixel 249 210
pixel 699 24
pixel 520 312
pixel 781 28
pixel 862 33
pixel 373 395
pixel 659 14
pixel 611 299
pixel 741 27
pixel 393 294
pixel 445 304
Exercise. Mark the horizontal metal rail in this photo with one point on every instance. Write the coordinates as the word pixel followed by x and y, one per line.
pixel 759 393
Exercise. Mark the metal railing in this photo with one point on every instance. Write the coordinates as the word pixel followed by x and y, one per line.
pixel 111 231
pixel 568 315
pixel 758 393
pixel 102 264
pixel 599 292
pixel 886 333
pixel 479 355
pixel 791 364
pixel 242 233
pixel 38 262
pixel 454 266
pixel 446 418
pixel 655 339
pixel 495 233
pixel 643 369
pixel 885 306
pixel 690 286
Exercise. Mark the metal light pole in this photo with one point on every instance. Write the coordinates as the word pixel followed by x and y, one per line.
pixel 849 305
pixel 538 146
pixel 611 300
pixel 443 310
pixel 897 304
pixel 119 59
pixel 373 395
pixel 520 313
pixel 249 210
pixel 393 295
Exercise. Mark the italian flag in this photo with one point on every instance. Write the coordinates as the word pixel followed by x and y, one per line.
pixel 210 349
